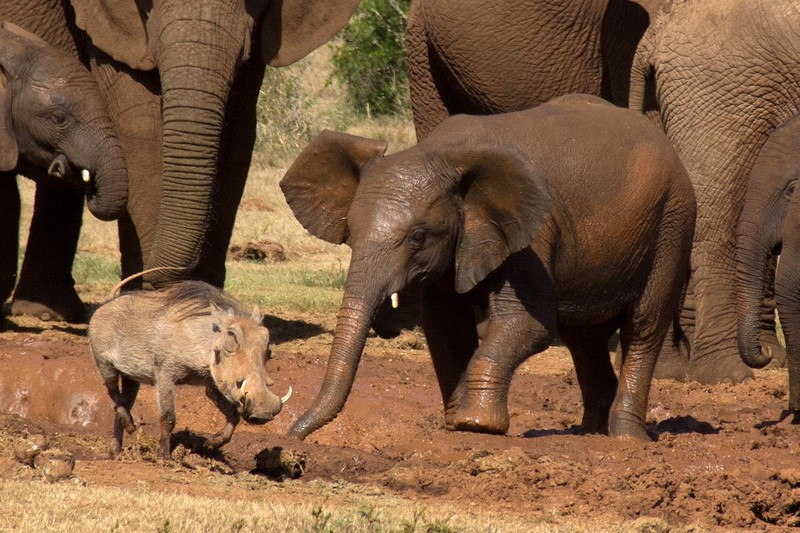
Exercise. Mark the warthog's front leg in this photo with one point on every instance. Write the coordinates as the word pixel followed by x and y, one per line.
pixel 231 417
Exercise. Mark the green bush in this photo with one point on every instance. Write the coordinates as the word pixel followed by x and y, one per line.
pixel 284 123
pixel 370 59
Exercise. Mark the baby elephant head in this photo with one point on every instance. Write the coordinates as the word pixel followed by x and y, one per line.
pixel 54 123
pixel 239 354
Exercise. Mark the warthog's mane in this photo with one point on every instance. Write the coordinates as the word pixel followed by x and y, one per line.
pixel 187 299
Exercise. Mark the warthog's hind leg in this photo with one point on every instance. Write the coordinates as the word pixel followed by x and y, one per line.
pixel 123 402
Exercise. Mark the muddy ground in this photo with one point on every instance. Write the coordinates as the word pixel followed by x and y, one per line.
pixel 720 456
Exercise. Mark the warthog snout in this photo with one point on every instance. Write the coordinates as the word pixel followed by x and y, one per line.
pixel 261 406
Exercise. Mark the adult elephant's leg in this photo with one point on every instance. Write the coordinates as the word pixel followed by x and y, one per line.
pixel 449 326
pixel 425 77
pixel 715 354
pixel 236 150
pixel 9 233
pixel 135 108
pixel 598 383
pixel 46 288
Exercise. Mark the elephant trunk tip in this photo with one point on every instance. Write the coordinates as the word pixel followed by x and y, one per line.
pixel 753 356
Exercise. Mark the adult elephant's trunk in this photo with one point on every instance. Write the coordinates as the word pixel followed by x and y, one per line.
pixel 198 51
pixel 362 295
pixel 108 189
pixel 758 235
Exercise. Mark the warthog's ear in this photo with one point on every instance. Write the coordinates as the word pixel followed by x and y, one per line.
pixel 232 339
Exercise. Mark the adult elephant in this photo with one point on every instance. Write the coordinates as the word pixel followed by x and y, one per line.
pixel 467 56
pixel 181 80
pixel 718 96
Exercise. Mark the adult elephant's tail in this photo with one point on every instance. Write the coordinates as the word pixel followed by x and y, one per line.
pixel 642 97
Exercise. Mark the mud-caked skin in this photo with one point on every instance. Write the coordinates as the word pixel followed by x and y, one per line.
pixel 55 129
pixel 188 333
pixel 573 218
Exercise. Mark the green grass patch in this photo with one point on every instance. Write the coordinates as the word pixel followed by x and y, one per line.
pixel 286 288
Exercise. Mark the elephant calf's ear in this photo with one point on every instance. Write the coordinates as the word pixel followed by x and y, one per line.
pixel 506 201
pixel 322 181
pixel 9 150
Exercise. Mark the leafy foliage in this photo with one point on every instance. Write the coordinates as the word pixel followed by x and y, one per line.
pixel 371 58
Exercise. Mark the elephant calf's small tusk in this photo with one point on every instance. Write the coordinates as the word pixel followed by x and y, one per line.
pixel 285 399
pixel 86 176
pixel 395 300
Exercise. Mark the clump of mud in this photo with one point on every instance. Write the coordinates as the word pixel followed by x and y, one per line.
pixel 30 445
pixel 264 250
pixel 278 463
pixel 189 450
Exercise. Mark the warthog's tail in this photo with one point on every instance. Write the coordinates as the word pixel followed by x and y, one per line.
pixel 119 285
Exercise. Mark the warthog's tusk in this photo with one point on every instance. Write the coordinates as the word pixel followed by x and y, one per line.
pixel 241 387
pixel 395 300
pixel 86 176
pixel 285 399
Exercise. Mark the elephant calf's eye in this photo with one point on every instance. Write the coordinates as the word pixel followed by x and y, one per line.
pixel 417 238
pixel 59 118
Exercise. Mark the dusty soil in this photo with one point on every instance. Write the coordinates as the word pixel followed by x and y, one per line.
pixel 720 456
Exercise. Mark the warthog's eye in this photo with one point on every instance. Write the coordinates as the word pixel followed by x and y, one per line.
pixel 240 384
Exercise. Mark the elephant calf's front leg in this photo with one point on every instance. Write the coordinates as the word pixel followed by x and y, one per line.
pixel 484 401
pixel 514 332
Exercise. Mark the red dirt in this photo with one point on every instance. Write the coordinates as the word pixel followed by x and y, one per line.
pixel 720 458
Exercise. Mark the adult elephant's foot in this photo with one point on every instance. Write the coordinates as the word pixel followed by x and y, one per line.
pixel 481 412
pixel 56 304
pixel 724 367
pixel 624 424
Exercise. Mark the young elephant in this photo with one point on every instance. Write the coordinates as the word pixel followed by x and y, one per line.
pixel 55 128
pixel 574 217
pixel 770 225
pixel 190 333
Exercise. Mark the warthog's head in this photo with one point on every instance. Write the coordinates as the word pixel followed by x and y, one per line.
pixel 237 366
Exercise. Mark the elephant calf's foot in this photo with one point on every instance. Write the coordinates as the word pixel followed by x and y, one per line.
pixel 65 307
pixel 482 414
pixel 719 368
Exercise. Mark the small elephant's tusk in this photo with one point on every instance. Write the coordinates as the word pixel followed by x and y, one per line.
pixel 395 300
pixel 241 387
pixel 285 399
pixel 86 176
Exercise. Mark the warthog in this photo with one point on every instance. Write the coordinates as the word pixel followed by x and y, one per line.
pixel 188 333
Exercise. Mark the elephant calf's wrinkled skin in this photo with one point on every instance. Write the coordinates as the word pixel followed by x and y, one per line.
pixel 575 217
pixel 190 333
pixel 56 129
pixel 770 224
